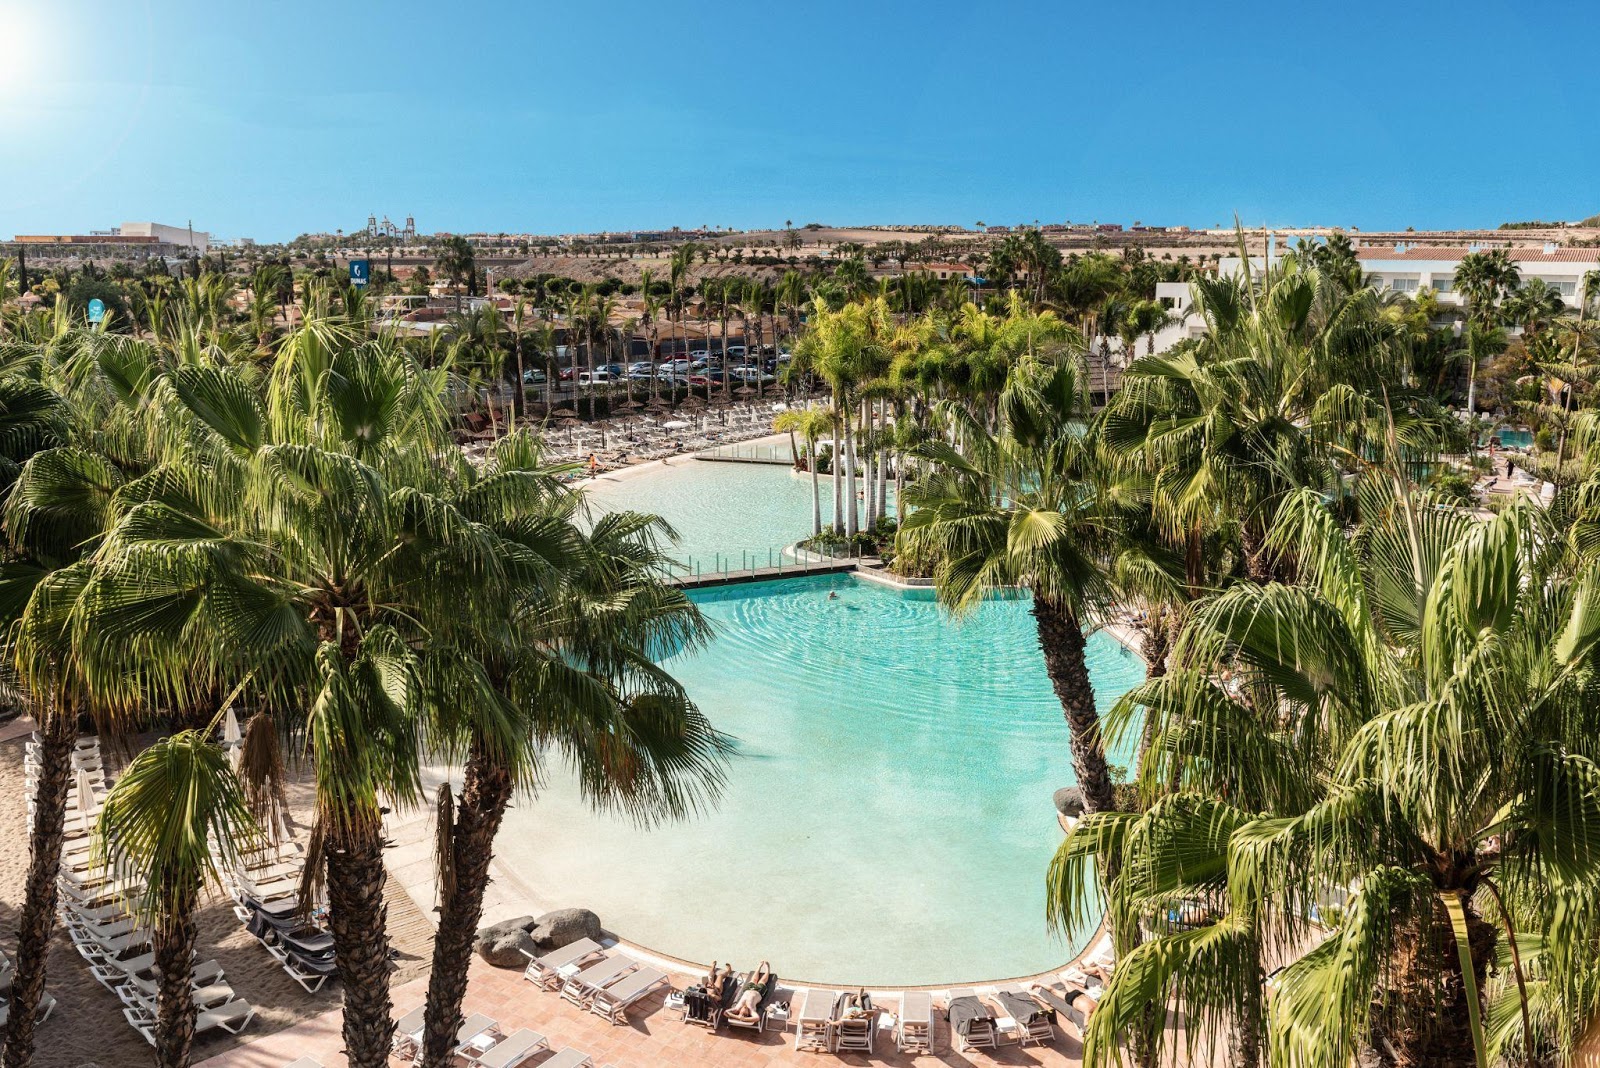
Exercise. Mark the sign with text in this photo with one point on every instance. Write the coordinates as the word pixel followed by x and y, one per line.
pixel 360 272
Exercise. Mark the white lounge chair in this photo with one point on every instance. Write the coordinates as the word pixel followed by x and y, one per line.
pixel 581 987
pixel 813 1028
pixel 546 970
pixel 914 1033
pixel 512 1050
pixel 613 1001
pixel 404 1042
pixel 568 1058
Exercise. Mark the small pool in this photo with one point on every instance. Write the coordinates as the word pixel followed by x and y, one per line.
pixel 1512 437
pixel 887 818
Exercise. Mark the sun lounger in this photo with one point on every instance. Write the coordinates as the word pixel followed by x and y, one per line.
pixel 404 1042
pixel 702 1009
pixel 971 1024
pixel 914 1033
pixel 305 1062
pixel 582 987
pixel 232 1017
pixel 546 970
pixel 1034 1019
pixel 205 975
pixel 512 1050
pixel 813 1028
pixel 472 1029
pixel 309 971
pixel 612 1001
pixel 47 1005
pixel 568 1058
pixel 759 1021
pixel 1062 1003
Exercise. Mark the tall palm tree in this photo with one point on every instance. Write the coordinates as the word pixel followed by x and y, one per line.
pixel 172 822
pixel 565 669
pixel 1484 280
pixel 813 424
pixel 311 562
pixel 1020 507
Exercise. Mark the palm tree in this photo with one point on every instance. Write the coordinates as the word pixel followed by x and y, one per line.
pixel 335 571
pixel 812 424
pixel 172 816
pixel 564 665
pixel 1019 507
pixel 1484 279
pixel 1407 742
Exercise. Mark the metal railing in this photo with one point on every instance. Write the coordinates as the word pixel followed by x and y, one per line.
pixel 751 564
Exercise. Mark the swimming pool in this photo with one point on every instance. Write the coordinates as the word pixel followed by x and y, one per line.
pixel 1511 437
pixel 743 513
pixel 887 818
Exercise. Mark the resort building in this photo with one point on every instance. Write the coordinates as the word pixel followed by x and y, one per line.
pixel 1408 268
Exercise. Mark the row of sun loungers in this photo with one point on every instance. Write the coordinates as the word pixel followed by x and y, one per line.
pixel 480 1042
pixel 265 886
pixel 583 973
pixel 94 906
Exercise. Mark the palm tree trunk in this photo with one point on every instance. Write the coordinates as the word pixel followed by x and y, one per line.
pixel 1062 641
pixel 871 487
pixel 1256 561
pixel 175 938
pixel 1244 1039
pixel 816 487
pixel 357 918
pixel 1429 1024
pixel 519 398
pixel 37 921
pixel 485 793
pixel 835 461
pixel 883 465
pixel 852 515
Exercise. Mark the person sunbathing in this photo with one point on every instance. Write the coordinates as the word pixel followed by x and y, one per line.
pixel 857 1006
pixel 718 979
pixel 748 1005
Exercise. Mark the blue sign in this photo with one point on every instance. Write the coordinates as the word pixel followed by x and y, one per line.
pixel 360 272
pixel 97 310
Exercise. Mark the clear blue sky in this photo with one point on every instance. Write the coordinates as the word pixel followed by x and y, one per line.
pixel 269 119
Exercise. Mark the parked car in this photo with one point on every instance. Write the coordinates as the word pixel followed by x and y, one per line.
pixel 678 366
pixel 639 365
pixel 596 378
pixel 640 376
pixel 697 380
pixel 567 373
pixel 612 369
pixel 533 377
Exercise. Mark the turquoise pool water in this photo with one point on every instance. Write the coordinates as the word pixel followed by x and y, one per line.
pixel 887 818
pixel 1511 438
pixel 727 515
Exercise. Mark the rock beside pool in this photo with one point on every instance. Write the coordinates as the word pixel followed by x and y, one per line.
pixel 564 927
pixel 1069 802
pixel 502 944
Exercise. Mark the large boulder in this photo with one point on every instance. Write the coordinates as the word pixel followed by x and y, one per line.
pixel 563 927
pixel 503 944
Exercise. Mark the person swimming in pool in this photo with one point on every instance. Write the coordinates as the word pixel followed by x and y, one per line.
pixel 833 595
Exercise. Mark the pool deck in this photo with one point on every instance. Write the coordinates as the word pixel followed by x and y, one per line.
pixel 650 1039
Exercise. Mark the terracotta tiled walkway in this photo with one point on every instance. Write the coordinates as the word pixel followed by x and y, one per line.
pixel 651 1038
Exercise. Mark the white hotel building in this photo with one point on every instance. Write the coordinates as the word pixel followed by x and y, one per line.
pixel 1409 268
pixel 1396 269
